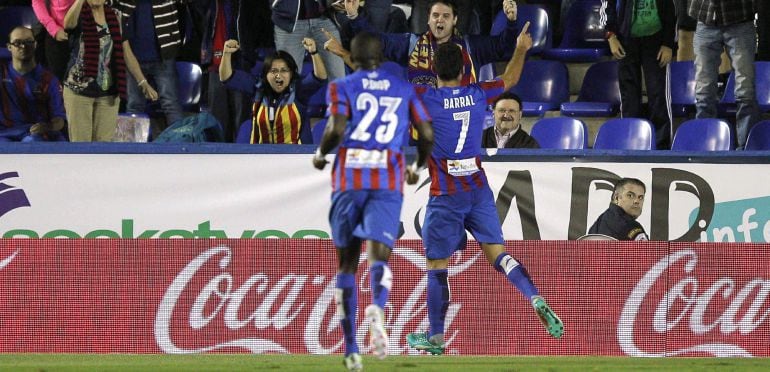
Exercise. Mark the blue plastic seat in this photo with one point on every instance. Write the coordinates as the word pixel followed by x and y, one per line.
pixel 682 87
pixel 318 130
pixel 599 94
pixel 13 16
pixel 540 28
pixel 189 79
pixel 544 86
pixel 703 135
pixel 625 134
pixel 244 132
pixel 583 39
pixel 316 104
pixel 560 133
pixel 728 105
pixel 5 54
pixel 759 136
pixel 486 72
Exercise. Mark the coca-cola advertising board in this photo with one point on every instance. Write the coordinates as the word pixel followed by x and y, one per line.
pixel 276 296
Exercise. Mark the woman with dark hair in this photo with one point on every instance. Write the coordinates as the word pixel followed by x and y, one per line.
pixel 279 111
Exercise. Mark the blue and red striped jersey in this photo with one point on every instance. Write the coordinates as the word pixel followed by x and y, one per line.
pixel 379 106
pixel 458 122
pixel 30 98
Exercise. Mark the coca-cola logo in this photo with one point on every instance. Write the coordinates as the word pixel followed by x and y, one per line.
pixel 280 305
pixel 718 307
pixel 7 260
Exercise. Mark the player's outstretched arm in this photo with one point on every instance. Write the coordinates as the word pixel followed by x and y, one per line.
pixel 514 67
pixel 335 129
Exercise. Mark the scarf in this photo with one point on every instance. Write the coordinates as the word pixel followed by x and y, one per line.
pixel 284 128
pixel 420 69
pixel 91 46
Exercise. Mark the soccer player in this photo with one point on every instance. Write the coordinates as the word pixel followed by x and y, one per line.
pixel 369 114
pixel 460 195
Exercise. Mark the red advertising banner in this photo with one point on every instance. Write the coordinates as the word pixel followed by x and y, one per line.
pixel 269 295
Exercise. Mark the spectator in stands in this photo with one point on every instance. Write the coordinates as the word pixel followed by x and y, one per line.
pixel 641 36
pixel 619 220
pixel 152 30
pixel 298 19
pixel 416 51
pixel 507 131
pixel 57 49
pixel 725 24
pixel 222 20
pixel 32 107
pixel 96 76
pixel 278 111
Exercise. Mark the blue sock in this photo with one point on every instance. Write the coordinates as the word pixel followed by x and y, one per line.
pixel 346 298
pixel 516 274
pixel 381 280
pixel 438 300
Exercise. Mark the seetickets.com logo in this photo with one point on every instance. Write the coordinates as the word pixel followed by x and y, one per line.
pixel 10 196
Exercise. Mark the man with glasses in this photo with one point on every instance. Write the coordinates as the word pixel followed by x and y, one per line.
pixel 31 106
pixel 507 131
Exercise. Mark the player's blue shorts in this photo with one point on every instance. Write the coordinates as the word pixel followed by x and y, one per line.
pixel 365 214
pixel 448 216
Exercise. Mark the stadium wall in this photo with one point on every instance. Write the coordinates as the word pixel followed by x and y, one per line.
pixel 276 296
pixel 210 190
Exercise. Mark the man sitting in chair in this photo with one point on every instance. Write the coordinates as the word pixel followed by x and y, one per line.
pixel 507 131
pixel 619 220
pixel 31 106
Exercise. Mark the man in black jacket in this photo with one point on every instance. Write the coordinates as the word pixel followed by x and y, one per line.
pixel 619 220
pixel 641 36
pixel 507 131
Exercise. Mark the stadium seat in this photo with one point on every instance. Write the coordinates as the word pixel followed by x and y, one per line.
pixel 583 39
pixel 13 16
pixel 5 54
pixel 759 137
pixel 728 105
pixel 599 94
pixel 625 134
pixel 560 133
pixel 316 104
pixel 540 28
pixel 543 86
pixel 703 135
pixel 487 72
pixel 318 130
pixel 189 76
pixel 244 132
pixel 682 87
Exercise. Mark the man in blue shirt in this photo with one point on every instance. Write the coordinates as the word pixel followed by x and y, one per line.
pixel 31 106
pixel 460 197
pixel 369 113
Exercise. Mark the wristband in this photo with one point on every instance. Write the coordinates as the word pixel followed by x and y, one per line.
pixel 142 82
pixel 314 53
pixel 609 35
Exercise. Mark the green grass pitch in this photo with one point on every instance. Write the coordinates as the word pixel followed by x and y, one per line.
pixel 421 363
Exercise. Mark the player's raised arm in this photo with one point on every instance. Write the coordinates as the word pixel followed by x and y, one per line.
pixel 514 67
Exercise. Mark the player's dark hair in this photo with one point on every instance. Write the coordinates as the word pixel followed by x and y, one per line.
pixel 278 55
pixel 626 181
pixel 448 61
pixel 366 50
pixel 507 95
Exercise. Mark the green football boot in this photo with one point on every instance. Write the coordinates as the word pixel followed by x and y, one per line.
pixel 420 341
pixel 550 320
